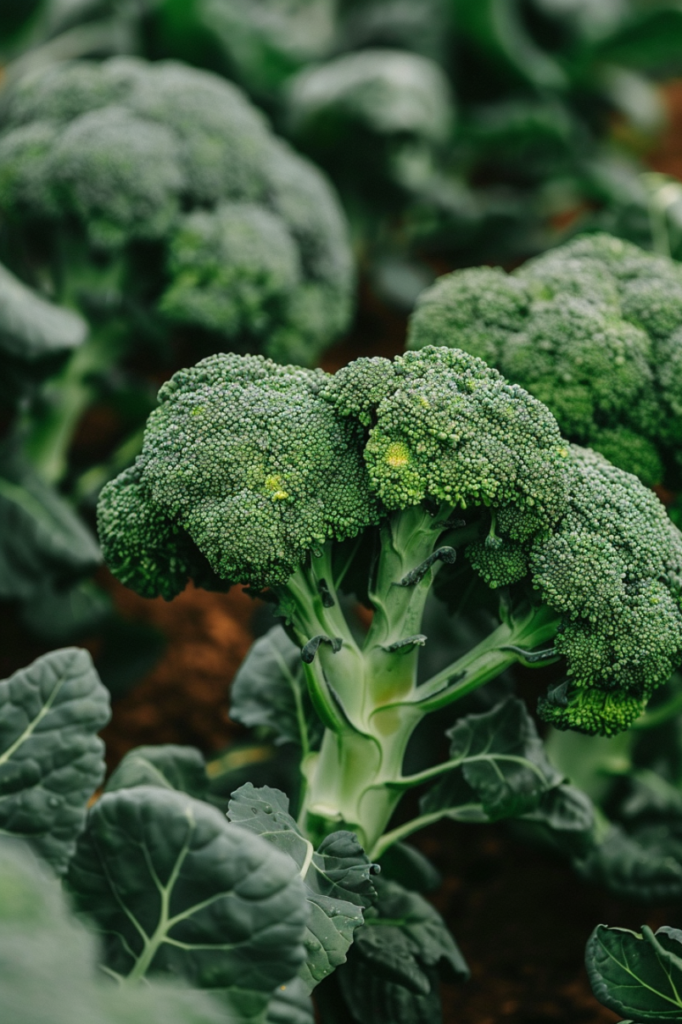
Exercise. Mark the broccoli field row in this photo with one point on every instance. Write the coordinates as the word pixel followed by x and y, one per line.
pixel 340 511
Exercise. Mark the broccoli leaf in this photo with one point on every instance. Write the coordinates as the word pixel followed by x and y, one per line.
pixel 500 769
pixel 639 976
pixel 269 691
pixel 337 876
pixel 393 969
pixel 62 616
pixel 49 969
pixel 168 765
pixel 32 328
pixel 569 816
pixel 175 889
pixel 646 865
pixel 51 759
pixel 405 864
pixel 291 1004
pixel 43 540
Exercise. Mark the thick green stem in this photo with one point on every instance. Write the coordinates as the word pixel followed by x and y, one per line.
pixel 49 431
pixel 368 697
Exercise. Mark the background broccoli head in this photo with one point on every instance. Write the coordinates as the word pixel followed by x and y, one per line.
pixel 250 468
pixel 159 187
pixel 593 329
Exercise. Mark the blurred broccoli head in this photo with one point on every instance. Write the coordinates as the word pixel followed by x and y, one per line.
pixel 593 329
pixel 392 107
pixel 171 174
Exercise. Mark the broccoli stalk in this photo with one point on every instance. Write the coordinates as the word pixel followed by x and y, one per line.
pixel 391 480
pixel 366 693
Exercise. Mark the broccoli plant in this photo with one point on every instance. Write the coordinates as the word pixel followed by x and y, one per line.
pixel 154 199
pixel 592 328
pixel 385 480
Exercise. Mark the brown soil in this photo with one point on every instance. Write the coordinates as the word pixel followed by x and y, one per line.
pixel 667 157
pixel 184 698
pixel 521 918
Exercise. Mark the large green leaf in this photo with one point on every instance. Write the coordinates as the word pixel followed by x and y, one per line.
pixel 397 960
pixel 291 1004
pixel 269 691
pixel 499 767
pixel 51 759
pixel 646 865
pixel 638 976
pixel 48 963
pixel 30 326
pixel 337 877
pixel 42 541
pixel 167 765
pixel 175 889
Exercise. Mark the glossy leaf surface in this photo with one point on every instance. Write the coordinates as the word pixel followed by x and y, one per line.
pixel 175 889
pixel 51 759
pixel 337 876
pixel 638 976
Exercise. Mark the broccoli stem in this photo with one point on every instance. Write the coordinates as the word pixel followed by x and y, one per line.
pixel 48 432
pixel 367 696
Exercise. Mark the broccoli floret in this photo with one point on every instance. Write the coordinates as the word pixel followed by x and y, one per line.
pixel 631 452
pixel 591 711
pixel 233 270
pixel 267 468
pixel 245 456
pixel 450 429
pixel 108 156
pixel 478 308
pixel 146 550
pixel 598 340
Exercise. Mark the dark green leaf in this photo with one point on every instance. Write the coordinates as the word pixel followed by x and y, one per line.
pixel 405 864
pixel 569 815
pixel 166 765
pixel 639 976
pixel 48 963
pixel 398 957
pixel 51 759
pixel 500 768
pixel 291 1004
pixel 646 867
pixel 66 615
pixel 42 540
pixel 269 691
pixel 337 876
pixel 31 327
pixel 175 889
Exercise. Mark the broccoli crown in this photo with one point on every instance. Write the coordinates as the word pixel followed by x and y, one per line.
pixel 612 567
pixel 255 465
pixel 450 429
pixel 593 329
pixel 251 463
pixel 249 239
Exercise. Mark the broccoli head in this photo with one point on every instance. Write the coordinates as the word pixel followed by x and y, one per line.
pixel 593 329
pixel 262 472
pixel 245 457
pixel 160 187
